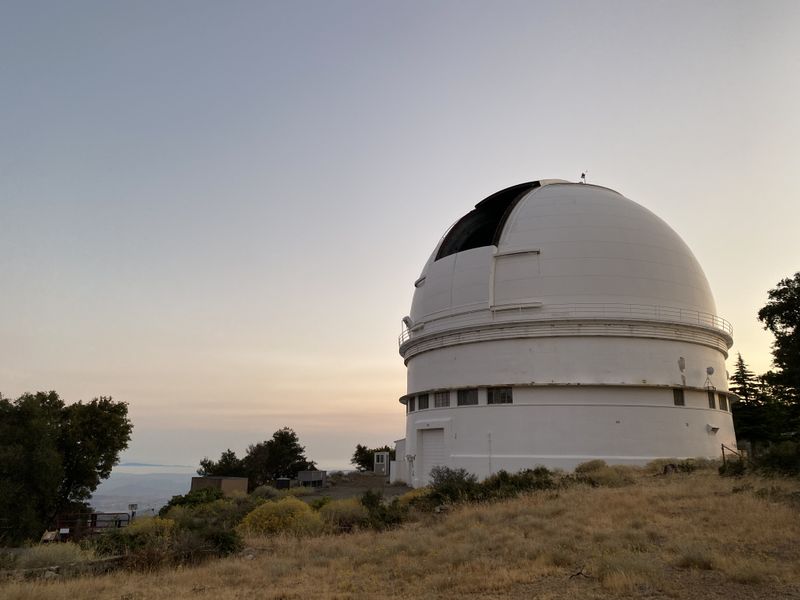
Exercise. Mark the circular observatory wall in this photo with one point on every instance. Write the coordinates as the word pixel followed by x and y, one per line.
pixel 557 323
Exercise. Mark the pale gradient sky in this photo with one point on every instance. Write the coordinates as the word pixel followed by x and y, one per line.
pixel 215 211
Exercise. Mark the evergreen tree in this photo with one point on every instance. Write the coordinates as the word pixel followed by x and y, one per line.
pixel 744 382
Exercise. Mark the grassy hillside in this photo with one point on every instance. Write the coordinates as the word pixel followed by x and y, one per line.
pixel 678 536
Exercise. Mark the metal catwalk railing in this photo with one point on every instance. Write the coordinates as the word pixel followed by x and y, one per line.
pixel 551 312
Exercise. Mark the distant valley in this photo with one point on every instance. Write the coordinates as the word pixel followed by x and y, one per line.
pixel 150 490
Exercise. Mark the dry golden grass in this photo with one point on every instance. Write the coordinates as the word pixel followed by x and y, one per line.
pixel 682 536
pixel 45 555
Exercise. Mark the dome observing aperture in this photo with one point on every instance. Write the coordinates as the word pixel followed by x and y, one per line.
pixel 558 323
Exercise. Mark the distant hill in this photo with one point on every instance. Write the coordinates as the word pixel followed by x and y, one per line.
pixel 148 490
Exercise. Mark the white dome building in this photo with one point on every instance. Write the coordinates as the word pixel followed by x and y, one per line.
pixel 558 323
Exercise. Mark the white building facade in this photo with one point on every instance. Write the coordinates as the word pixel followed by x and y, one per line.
pixel 558 323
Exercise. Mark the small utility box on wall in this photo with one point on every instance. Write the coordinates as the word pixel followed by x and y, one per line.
pixel 381 463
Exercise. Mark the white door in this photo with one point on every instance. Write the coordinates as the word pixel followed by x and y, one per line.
pixel 431 443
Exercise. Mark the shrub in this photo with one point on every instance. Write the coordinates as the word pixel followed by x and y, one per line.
pixel 48 555
pixel 266 492
pixel 506 485
pixel 296 492
pixel 212 526
pixel 591 466
pixel 318 503
pixel 381 514
pixel 193 546
pixel 142 532
pixel 414 496
pixel 699 463
pixel 192 499
pixel 732 468
pixel 457 485
pixel 225 513
pixel 663 466
pixel 598 474
pixel 191 533
pixel 627 572
pixel 695 557
pixel 453 485
pixel 8 560
pixel 660 465
pixel 147 543
pixel 288 515
pixel 780 459
pixel 345 515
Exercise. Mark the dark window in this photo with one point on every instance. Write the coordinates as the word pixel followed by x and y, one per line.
pixel 422 401
pixel 467 397
pixel 441 399
pixel 723 402
pixel 483 226
pixel 411 404
pixel 677 396
pixel 499 395
pixel 711 400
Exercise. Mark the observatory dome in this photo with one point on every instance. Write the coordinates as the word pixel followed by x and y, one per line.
pixel 562 247
pixel 556 323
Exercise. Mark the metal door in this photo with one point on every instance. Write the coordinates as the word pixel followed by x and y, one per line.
pixel 432 452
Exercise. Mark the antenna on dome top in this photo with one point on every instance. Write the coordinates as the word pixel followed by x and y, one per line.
pixel 583 176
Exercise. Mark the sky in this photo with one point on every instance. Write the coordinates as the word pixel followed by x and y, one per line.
pixel 215 211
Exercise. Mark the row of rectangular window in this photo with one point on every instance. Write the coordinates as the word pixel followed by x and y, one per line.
pixel 464 397
pixel 504 395
pixel 678 398
pixel 723 401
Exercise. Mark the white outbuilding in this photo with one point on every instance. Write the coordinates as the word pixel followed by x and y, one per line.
pixel 557 323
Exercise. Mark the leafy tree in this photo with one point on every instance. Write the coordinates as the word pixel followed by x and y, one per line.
pixel 257 465
pixel 744 382
pixel 364 458
pixel 280 456
pixel 53 456
pixel 285 457
pixel 781 316
pixel 228 465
